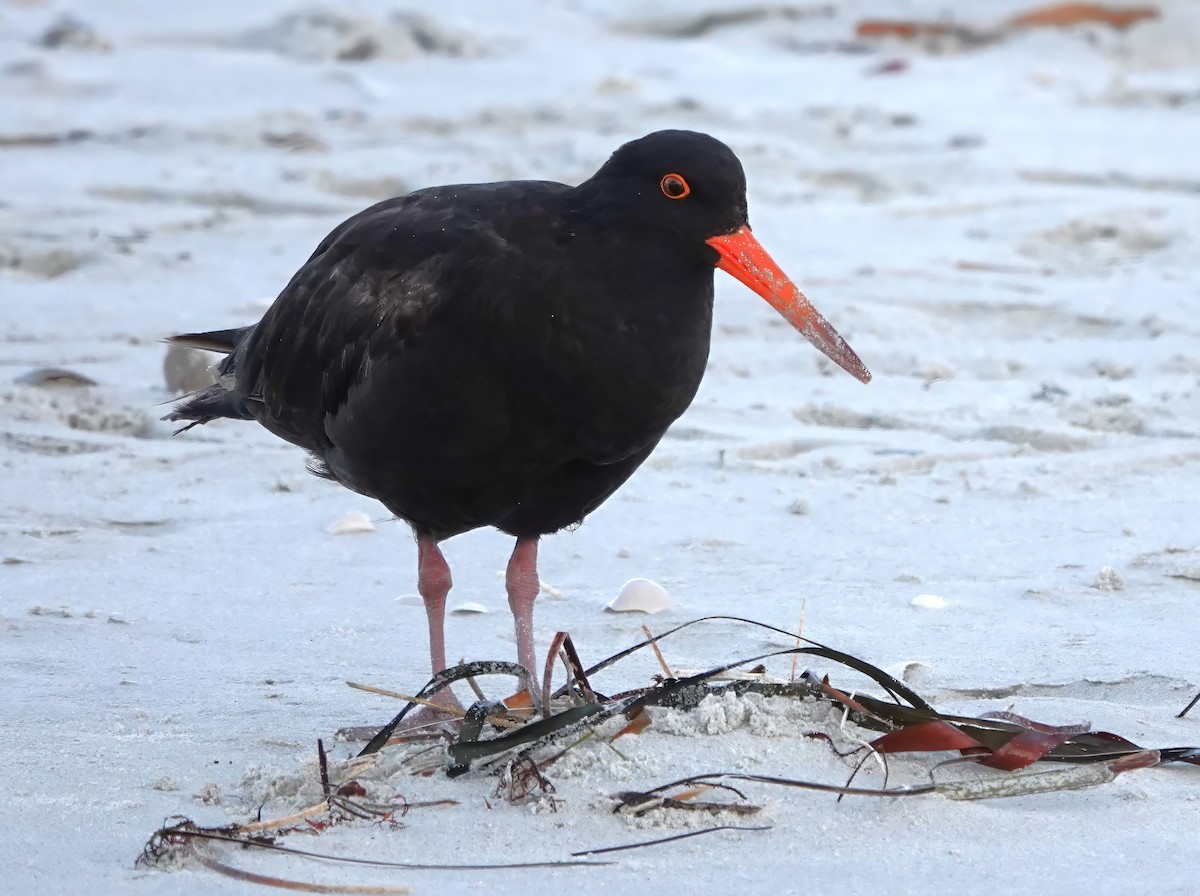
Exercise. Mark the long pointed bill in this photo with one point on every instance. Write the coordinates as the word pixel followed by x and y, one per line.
pixel 744 257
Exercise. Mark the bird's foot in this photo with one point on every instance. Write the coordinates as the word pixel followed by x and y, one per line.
pixel 430 721
pixel 425 722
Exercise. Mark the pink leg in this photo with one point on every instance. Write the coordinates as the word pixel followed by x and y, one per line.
pixel 522 583
pixel 433 583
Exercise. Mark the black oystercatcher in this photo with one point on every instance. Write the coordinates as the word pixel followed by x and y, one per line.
pixel 504 354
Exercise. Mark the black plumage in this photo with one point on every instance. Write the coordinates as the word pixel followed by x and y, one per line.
pixel 502 354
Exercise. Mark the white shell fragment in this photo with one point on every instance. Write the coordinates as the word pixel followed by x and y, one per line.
pixel 469 609
pixel 187 369
pixel 351 524
pixel 929 602
pixel 550 590
pixel 907 670
pixel 640 596
pixel 410 600
pixel 54 376
pixel 1108 579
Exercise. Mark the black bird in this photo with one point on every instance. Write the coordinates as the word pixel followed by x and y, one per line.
pixel 504 354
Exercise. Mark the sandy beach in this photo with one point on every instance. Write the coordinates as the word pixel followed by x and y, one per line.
pixel 1001 220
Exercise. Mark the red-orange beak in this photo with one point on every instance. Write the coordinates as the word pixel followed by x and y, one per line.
pixel 744 257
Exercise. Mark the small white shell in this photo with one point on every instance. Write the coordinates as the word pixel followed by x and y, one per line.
pixel 351 524
pixel 54 376
pixel 906 670
pixel 469 609
pixel 640 596
pixel 187 369
pixel 929 602
pixel 550 590
pixel 410 600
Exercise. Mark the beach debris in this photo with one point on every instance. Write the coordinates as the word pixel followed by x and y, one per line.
pixel 43 264
pixel 470 608
pixel 1066 15
pixel 294 141
pixel 894 66
pixel 681 26
pixel 70 33
pixel 1001 740
pixel 520 739
pixel 54 377
pixel 1108 579
pixel 320 35
pixel 942 36
pixel 352 523
pixel 209 794
pixel 906 670
pixel 929 602
pixel 71 399
pixel 187 369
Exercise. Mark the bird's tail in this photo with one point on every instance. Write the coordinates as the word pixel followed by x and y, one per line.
pixel 221 341
pixel 222 398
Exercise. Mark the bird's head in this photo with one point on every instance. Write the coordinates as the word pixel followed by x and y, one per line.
pixel 691 187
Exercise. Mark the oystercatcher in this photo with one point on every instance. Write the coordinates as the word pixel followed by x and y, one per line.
pixel 504 354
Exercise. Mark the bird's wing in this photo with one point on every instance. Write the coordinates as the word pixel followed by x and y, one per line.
pixel 371 287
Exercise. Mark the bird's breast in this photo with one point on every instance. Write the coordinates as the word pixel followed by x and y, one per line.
pixel 616 368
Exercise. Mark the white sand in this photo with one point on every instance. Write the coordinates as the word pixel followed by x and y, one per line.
pixel 1007 236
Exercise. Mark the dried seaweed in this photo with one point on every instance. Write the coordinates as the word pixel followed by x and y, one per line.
pixel 182 834
pixel 671 839
pixel 1056 15
pixel 1183 712
pixel 519 747
pixel 638 803
pixel 444 679
pixel 909 723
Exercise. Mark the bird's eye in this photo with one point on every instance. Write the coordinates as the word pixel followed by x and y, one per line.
pixel 673 186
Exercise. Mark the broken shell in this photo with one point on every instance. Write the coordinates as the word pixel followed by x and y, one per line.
pixel 351 524
pixel 1108 579
pixel 54 376
pixel 929 602
pixel 469 609
pixel 187 369
pixel 906 670
pixel 640 596
pixel 410 600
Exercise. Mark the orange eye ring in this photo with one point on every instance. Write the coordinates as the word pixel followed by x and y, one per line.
pixel 674 186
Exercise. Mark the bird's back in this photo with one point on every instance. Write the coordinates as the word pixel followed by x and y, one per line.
pixel 469 356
